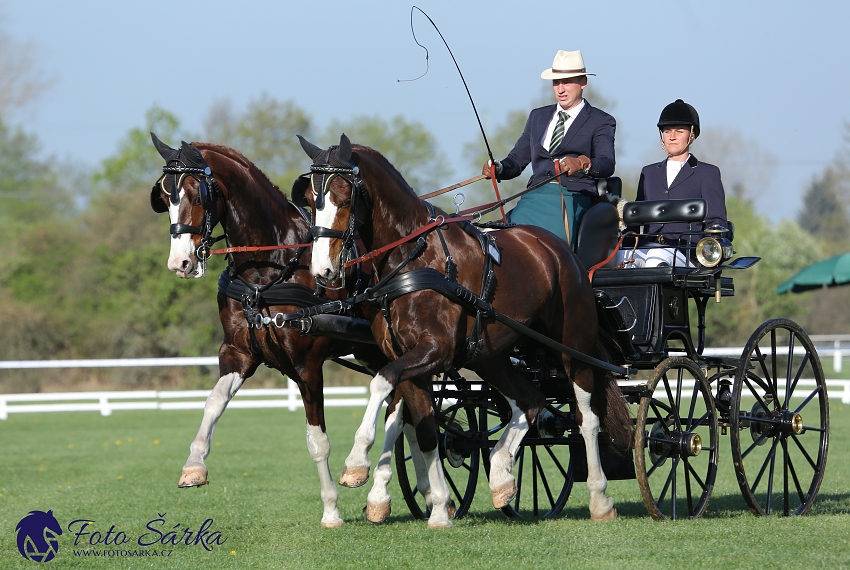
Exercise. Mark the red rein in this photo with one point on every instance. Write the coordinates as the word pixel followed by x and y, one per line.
pixel 245 249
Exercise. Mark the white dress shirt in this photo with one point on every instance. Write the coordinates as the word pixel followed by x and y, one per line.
pixel 573 113
pixel 673 168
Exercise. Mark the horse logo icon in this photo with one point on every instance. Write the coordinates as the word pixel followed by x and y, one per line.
pixel 38 536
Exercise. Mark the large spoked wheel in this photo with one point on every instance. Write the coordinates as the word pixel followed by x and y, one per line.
pixel 779 420
pixel 676 437
pixel 459 441
pixel 543 468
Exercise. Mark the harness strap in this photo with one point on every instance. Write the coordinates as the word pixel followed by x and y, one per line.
pixel 428 278
pixel 427 228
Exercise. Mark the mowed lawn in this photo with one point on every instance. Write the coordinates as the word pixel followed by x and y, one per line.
pixel 264 501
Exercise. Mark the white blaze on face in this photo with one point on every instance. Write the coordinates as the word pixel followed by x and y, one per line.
pixel 182 259
pixel 322 265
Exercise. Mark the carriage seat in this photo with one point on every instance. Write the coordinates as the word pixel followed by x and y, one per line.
pixel 664 211
pixel 597 234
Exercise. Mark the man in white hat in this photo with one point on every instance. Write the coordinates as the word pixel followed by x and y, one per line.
pixel 570 135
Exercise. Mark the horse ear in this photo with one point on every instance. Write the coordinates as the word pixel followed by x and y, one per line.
pixel 164 150
pixel 299 190
pixel 344 152
pixel 193 154
pixel 312 150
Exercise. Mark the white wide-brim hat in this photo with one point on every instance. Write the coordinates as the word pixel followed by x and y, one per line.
pixel 566 64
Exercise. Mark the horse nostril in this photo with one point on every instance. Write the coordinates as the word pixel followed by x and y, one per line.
pixel 185 264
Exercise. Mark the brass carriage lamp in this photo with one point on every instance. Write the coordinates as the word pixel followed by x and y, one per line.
pixel 715 247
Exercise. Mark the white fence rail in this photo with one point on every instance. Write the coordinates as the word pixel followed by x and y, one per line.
pixel 289 397
pixel 108 402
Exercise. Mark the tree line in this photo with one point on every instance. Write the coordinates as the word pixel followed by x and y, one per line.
pixel 84 274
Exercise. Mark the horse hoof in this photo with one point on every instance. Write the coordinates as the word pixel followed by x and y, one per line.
pixel 452 508
pixel 609 516
pixel 332 524
pixel 193 477
pixel 377 513
pixel 439 524
pixel 353 477
pixel 504 495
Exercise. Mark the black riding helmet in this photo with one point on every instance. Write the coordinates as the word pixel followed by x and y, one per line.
pixel 679 113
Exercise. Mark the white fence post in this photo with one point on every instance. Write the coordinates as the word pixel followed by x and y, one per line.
pixel 837 357
pixel 292 399
pixel 105 410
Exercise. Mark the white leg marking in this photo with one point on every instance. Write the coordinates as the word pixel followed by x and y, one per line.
pixel 439 491
pixel 213 408
pixel 423 485
pixel 600 504
pixel 379 494
pixel 379 389
pixel 319 447
pixel 322 265
pixel 504 452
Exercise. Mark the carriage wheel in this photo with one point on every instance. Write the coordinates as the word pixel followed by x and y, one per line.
pixel 457 421
pixel 676 437
pixel 779 420
pixel 543 468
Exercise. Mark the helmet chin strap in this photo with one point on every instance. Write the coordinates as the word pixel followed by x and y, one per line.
pixel 691 139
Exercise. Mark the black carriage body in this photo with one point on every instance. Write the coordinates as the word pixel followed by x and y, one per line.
pixel 646 310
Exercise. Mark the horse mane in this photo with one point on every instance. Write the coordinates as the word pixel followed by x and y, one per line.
pixel 386 165
pixel 239 158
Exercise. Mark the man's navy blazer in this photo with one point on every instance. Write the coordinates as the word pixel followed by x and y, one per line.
pixel 695 180
pixel 590 134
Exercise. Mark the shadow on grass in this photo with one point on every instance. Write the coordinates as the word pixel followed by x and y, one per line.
pixel 720 507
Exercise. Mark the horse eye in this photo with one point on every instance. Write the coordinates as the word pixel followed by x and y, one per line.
pixel 196 201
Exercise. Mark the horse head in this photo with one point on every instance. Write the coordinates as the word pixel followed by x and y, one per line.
pixel 190 194
pixel 340 205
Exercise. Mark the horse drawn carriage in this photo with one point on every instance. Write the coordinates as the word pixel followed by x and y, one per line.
pixel 545 381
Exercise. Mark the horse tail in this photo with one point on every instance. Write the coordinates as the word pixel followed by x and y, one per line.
pixel 611 404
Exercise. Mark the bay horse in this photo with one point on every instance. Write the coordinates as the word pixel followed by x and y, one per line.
pixel 204 185
pixel 536 280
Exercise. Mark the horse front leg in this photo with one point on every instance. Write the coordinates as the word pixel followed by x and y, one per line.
pixel 378 502
pixel 601 505
pixel 195 471
pixel 419 361
pixel 502 483
pixel 310 383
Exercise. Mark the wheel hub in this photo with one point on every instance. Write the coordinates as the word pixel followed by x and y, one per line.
pixel 454 456
pixel 757 428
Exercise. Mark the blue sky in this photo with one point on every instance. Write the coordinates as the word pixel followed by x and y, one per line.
pixel 776 70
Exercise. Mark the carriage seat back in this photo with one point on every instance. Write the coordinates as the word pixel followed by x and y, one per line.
pixel 597 234
pixel 664 211
pixel 612 187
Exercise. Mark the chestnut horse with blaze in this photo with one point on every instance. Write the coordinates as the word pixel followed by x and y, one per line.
pixel 253 212
pixel 539 282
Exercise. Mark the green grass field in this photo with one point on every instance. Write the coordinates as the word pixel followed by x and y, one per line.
pixel 122 470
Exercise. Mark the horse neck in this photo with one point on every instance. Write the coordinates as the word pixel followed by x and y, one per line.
pixel 396 209
pixel 256 213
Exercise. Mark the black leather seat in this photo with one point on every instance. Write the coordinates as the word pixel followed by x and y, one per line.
pixel 597 234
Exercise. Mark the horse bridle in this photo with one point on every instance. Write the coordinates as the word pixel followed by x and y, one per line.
pixel 359 207
pixel 209 191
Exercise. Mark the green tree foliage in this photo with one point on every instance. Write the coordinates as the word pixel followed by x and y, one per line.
pixel 406 144
pixel 28 187
pixel 265 134
pixel 824 214
pixel 784 250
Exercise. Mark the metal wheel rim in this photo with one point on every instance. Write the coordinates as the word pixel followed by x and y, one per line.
pixel 542 464
pixel 800 458
pixel 698 473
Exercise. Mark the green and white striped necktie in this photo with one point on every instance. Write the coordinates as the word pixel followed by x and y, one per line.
pixel 558 133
